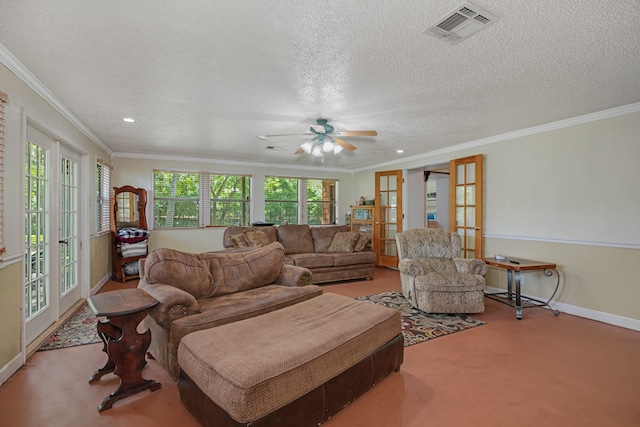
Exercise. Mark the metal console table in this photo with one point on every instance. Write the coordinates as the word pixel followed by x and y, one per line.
pixel 514 267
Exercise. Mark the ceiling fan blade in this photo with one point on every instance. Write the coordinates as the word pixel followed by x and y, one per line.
pixel 299 151
pixel 284 135
pixel 344 144
pixel 357 133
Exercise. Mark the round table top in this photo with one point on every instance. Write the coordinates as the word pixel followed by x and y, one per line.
pixel 121 302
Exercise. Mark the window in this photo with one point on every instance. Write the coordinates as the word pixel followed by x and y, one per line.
pixel 230 200
pixel 175 199
pixel 281 200
pixel 184 199
pixel 103 185
pixel 300 200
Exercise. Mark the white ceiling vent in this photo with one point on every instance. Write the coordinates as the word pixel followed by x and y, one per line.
pixel 461 23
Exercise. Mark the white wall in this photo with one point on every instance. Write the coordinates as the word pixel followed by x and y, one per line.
pixel 564 193
pixel 442 191
pixel 414 205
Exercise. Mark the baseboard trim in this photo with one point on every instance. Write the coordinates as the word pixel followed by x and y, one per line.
pixel 587 313
pixel 100 284
pixel 11 368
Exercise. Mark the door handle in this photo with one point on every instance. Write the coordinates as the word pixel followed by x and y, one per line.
pixel 477 228
pixel 66 242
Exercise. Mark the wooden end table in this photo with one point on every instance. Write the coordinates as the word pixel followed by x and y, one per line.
pixel 514 267
pixel 125 347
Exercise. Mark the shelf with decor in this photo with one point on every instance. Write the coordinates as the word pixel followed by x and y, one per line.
pixel 362 219
pixel 129 232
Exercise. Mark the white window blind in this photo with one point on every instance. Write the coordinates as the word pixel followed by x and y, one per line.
pixel 103 184
pixel 3 100
pixel 204 207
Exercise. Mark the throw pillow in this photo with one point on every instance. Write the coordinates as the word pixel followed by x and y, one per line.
pixel 343 241
pixel 363 243
pixel 238 241
pixel 255 238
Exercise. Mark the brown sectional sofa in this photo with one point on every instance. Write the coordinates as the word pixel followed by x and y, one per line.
pixel 309 247
pixel 201 291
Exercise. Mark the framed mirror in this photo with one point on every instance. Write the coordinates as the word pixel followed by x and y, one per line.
pixel 129 207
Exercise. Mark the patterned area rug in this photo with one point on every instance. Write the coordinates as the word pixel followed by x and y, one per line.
pixel 80 329
pixel 418 326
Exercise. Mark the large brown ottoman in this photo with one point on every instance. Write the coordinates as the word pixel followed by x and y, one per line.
pixel 296 366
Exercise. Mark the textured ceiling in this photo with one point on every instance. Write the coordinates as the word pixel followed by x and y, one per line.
pixel 205 78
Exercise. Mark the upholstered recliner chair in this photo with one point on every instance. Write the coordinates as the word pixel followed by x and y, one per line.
pixel 433 277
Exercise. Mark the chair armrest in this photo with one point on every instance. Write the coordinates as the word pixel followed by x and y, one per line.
pixel 290 275
pixel 471 265
pixel 174 303
pixel 422 266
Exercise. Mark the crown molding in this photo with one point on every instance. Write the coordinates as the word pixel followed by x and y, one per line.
pixel 17 68
pixel 586 118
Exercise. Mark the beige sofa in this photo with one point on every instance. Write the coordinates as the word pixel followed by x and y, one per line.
pixel 201 291
pixel 314 248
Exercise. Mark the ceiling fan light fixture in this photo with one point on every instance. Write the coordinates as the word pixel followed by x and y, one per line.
pixel 316 150
pixel 325 140
pixel 307 147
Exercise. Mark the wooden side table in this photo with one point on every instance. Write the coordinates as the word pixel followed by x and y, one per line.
pixel 125 347
pixel 514 266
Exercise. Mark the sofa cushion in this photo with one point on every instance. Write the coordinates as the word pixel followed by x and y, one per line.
pixel 363 243
pixel 323 235
pixel 354 258
pixel 343 241
pixel 240 271
pixel 296 238
pixel 241 305
pixel 449 282
pixel 171 267
pixel 312 260
pixel 238 241
pixel 256 237
pixel 420 266
pixel 237 229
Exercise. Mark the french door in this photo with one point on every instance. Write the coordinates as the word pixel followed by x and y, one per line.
pixel 51 232
pixel 68 231
pixel 465 214
pixel 387 217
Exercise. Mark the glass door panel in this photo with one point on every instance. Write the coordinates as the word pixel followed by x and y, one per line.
pixel 38 313
pixel 388 217
pixel 466 204
pixel 68 241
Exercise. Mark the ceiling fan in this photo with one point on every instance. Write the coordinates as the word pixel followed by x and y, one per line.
pixel 325 139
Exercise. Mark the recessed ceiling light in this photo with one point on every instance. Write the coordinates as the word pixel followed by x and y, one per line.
pixel 129 120
pixel 399 151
